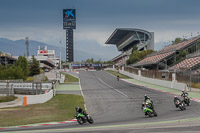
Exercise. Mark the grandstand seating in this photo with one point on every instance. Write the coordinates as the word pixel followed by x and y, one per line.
pixel 186 64
pixel 7 59
pixel 154 59
pixel 179 45
pixel 168 51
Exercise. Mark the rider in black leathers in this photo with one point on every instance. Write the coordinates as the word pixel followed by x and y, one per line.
pixel 117 77
pixel 80 110
pixel 184 94
pixel 175 100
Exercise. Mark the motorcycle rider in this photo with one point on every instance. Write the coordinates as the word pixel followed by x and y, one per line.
pixel 176 99
pixel 80 110
pixel 184 94
pixel 118 77
pixel 185 97
pixel 149 102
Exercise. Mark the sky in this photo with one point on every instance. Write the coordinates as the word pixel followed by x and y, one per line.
pixel 41 20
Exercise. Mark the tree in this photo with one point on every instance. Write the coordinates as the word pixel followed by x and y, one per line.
pixel 23 64
pixel 90 60
pixel 137 56
pixel 34 67
pixel 178 40
pixel 181 55
pixel 11 72
pixel 135 48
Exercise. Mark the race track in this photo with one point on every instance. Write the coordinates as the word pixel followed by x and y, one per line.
pixel 116 107
pixel 112 101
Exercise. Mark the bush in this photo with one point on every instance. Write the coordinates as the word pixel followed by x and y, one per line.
pixel 11 72
pixel 197 85
pixel 137 56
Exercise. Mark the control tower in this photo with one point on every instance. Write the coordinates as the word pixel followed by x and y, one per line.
pixel 69 23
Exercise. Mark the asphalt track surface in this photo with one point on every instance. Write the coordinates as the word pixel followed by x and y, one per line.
pixel 116 107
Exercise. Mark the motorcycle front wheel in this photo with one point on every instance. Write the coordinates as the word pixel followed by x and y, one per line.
pixel 149 114
pixel 80 120
pixel 90 120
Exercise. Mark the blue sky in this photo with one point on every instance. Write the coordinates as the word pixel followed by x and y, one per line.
pixel 41 20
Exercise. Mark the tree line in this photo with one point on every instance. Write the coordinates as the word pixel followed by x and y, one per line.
pixel 21 70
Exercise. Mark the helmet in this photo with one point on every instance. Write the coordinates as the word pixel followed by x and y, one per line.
pixel 77 108
pixel 146 97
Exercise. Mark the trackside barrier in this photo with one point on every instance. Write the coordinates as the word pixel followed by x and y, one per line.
pixel 170 84
pixel 24 88
pixel 35 99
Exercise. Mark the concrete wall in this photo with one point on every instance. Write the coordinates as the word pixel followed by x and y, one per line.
pixel 35 99
pixel 56 76
pixel 170 84
pixel 164 83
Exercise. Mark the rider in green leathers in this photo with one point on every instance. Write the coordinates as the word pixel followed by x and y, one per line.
pixel 149 102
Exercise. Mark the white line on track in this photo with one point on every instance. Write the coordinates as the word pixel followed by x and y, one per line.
pixel 82 93
pixel 112 87
pixel 105 83
pixel 121 92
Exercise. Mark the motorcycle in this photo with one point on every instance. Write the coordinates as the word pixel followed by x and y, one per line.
pixel 117 78
pixel 179 104
pixel 81 118
pixel 148 111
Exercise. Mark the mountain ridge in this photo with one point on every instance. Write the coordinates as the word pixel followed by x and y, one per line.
pixel 18 47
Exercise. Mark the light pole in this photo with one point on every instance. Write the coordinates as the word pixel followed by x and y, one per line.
pixel 60 54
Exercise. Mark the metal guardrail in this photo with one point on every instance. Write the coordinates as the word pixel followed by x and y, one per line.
pixel 13 81
pixel 25 88
pixel 7 90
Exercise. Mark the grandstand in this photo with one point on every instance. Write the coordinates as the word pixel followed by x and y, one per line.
pixel 126 38
pixel 47 58
pixel 192 62
pixel 167 57
pixel 7 59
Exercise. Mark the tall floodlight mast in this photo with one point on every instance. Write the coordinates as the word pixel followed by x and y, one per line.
pixel 27 46
pixel 60 55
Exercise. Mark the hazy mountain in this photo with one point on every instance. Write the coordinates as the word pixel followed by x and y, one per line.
pixel 18 47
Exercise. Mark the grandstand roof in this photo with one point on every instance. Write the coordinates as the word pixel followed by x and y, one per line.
pixel 120 33
pixel 166 52
pixel 187 63
pixel 179 45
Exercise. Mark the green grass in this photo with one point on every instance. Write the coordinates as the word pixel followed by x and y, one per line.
pixel 59 108
pixel 116 73
pixel 69 78
pixel 7 98
pixel 62 87
pixel 197 85
pixel 29 79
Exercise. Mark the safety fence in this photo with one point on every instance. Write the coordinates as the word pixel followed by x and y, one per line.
pixel 32 88
pixel 6 90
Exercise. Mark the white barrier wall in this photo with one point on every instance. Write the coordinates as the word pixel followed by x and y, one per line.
pixel 42 98
pixel 60 79
pixel 164 83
